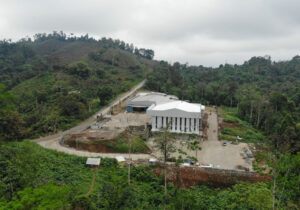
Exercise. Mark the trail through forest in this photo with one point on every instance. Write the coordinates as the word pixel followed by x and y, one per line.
pixel 93 182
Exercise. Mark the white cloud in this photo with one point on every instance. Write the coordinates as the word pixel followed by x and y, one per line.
pixel 206 32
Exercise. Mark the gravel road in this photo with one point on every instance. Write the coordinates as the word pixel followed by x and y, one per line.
pixel 213 152
pixel 52 141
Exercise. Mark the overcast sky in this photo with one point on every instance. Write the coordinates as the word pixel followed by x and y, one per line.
pixel 200 32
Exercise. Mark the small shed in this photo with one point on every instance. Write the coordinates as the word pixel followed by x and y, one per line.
pixel 93 162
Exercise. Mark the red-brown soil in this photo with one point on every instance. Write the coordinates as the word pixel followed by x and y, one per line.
pixel 100 148
pixel 192 176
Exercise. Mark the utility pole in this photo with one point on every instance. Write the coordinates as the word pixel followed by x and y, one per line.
pixel 129 162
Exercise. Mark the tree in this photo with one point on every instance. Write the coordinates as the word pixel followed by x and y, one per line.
pixel 165 144
pixel 72 105
pixel 194 145
pixel 105 93
pixel 11 123
pixel 285 178
pixel 252 196
pixel 81 69
pixel 129 157
pixel 12 126
pixel 44 197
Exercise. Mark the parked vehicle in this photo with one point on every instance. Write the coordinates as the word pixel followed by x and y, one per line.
pixel 207 166
pixel 189 161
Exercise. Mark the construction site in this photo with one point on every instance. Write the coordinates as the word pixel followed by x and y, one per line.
pixel 129 118
pixel 119 123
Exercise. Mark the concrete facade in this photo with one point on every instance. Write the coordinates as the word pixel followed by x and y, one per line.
pixel 177 116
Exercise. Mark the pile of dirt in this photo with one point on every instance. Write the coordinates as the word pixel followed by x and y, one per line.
pixel 99 147
pixel 224 124
pixel 119 144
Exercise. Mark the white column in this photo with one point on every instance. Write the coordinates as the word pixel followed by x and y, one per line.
pixel 178 124
pixel 158 122
pixel 153 123
pixel 168 122
pixel 188 128
pixel 197 125
pixel 173 124
pixel 164 122
pixel 182 124
pixel 192 125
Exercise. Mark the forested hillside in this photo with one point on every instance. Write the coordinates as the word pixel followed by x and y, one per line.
pixel 54 81
pixel 266 93
pixel 59 80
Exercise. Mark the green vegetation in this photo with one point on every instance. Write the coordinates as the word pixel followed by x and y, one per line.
pixel 26 159
pixel 59 81
pixel 54 81
pixel 37 178
pixel 11 123
pixel 265 93
pixel 237 127
pixel 266 100
pixel 44 197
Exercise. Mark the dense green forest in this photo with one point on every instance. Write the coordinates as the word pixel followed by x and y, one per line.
pixel 54 81
pixel 266 93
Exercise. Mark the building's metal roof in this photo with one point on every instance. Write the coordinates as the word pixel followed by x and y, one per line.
pixel 93 161
pixel 180 105
pixel 147 99
pixel 176 109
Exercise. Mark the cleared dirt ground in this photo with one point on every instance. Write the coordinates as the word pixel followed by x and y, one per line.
pixel 125 119
pixel 228 157
pixel 112 128
pixel 213 152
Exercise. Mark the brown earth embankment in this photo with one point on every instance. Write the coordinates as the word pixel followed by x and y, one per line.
pixel 191 176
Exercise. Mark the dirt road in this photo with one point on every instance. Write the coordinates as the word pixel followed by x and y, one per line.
pixel 52 141
pixel 213 152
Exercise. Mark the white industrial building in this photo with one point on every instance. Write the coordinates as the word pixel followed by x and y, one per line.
pixel 178 116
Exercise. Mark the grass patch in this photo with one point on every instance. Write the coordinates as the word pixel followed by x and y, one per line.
pixel 236 127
